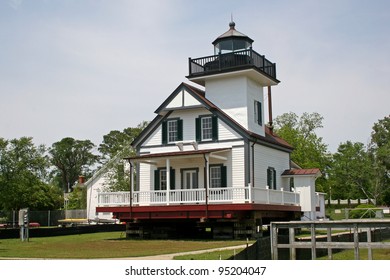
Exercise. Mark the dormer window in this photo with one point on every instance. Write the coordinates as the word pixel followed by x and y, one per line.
pixel 172 131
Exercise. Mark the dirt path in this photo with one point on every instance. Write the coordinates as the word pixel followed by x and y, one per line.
pixel 171 256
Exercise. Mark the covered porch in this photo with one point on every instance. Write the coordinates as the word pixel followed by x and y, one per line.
pixel 192 177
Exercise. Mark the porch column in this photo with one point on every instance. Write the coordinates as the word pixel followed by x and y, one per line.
pixel 131 188
pixel 168 173
pixel 132 176
pixel 207 182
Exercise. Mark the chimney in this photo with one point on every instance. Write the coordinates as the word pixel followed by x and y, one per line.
pixel 81 180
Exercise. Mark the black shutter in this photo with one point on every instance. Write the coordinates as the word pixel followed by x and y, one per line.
pixel 259 114
pixel 179 130
pixel 198 131
pixel 164 133
pixel 223 176
pixel 274 174
pixel 172 178
pixel 156 180
pixel 215 127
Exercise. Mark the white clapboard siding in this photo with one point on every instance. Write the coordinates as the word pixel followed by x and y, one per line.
pixel 267 157
pixel 238 167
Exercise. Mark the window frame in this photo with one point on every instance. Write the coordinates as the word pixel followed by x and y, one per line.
pixel 222 176
pixel 271 178
pixel 200 129
pixel 175 132
pixel 258 112
pixel 165 137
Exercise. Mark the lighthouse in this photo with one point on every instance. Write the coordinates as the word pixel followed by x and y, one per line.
pixel 235 77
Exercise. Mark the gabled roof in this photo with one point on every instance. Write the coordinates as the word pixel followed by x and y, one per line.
pixel 270 138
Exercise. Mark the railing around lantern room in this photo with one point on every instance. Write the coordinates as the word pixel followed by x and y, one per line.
pixel 229 61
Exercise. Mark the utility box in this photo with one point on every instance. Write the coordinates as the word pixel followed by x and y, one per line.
pixel 24 220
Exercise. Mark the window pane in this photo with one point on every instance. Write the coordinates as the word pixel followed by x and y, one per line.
pixel 163 179
pixel 207 128
pixel 172 131
pixel 215 177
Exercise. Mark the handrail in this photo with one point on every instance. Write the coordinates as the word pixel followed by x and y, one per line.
pixel 189 196
pixel 213 63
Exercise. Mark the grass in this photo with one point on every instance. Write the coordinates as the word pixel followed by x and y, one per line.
pixel 216 255
pixel 100 246
pixel 377 254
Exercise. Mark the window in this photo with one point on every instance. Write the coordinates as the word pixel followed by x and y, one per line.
pixel 206 128
pixel 163 180
pixel 172 131
pixel 271 178
pixel 218 176
pixel 189 178
pixel 160 179
pixel 292 188
pixel 258 113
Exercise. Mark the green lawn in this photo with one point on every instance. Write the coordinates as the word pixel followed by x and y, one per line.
pixel 377 254
pixel 100 245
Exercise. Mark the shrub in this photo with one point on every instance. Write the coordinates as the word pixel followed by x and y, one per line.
pixel 363 211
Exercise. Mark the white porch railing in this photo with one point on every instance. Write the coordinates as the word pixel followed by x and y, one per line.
pixel 192 196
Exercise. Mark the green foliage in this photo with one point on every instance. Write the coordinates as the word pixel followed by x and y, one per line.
pixel 23 176
pixel 363 211
pixel 351 172
pixel 115 147
pixel 380 154
pixel 309 149
pixel 78 198
pixel 71 159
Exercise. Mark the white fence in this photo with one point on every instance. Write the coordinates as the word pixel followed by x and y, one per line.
pixel 191 196
pixel 351 201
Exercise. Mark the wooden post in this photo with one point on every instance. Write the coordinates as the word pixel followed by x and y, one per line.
pixel 168 176
pixel 293 253
pixel 356 241
pixel 369 242
pixel 313 241
pixel 329 239
pixel 274 242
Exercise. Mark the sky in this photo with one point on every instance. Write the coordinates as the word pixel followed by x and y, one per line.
pixel 80 69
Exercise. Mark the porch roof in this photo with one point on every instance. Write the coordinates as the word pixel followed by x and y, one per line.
pixel 310 171
pixel 177 154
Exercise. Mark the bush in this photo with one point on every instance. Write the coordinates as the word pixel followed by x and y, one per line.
pixel 363 211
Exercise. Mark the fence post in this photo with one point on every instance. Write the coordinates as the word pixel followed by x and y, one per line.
pixel 356 241
pixel 369 241
pixel 313 241
pixel 329 239
pixel 293 254
pixel 274 242
pixel 48 218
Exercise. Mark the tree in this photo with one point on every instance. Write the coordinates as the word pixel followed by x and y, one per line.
pixel 116 141
pixel 380 153
pixel 351 172
pixel 23 176
pixel 309 149
pixel 71 159
pixel 116 146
